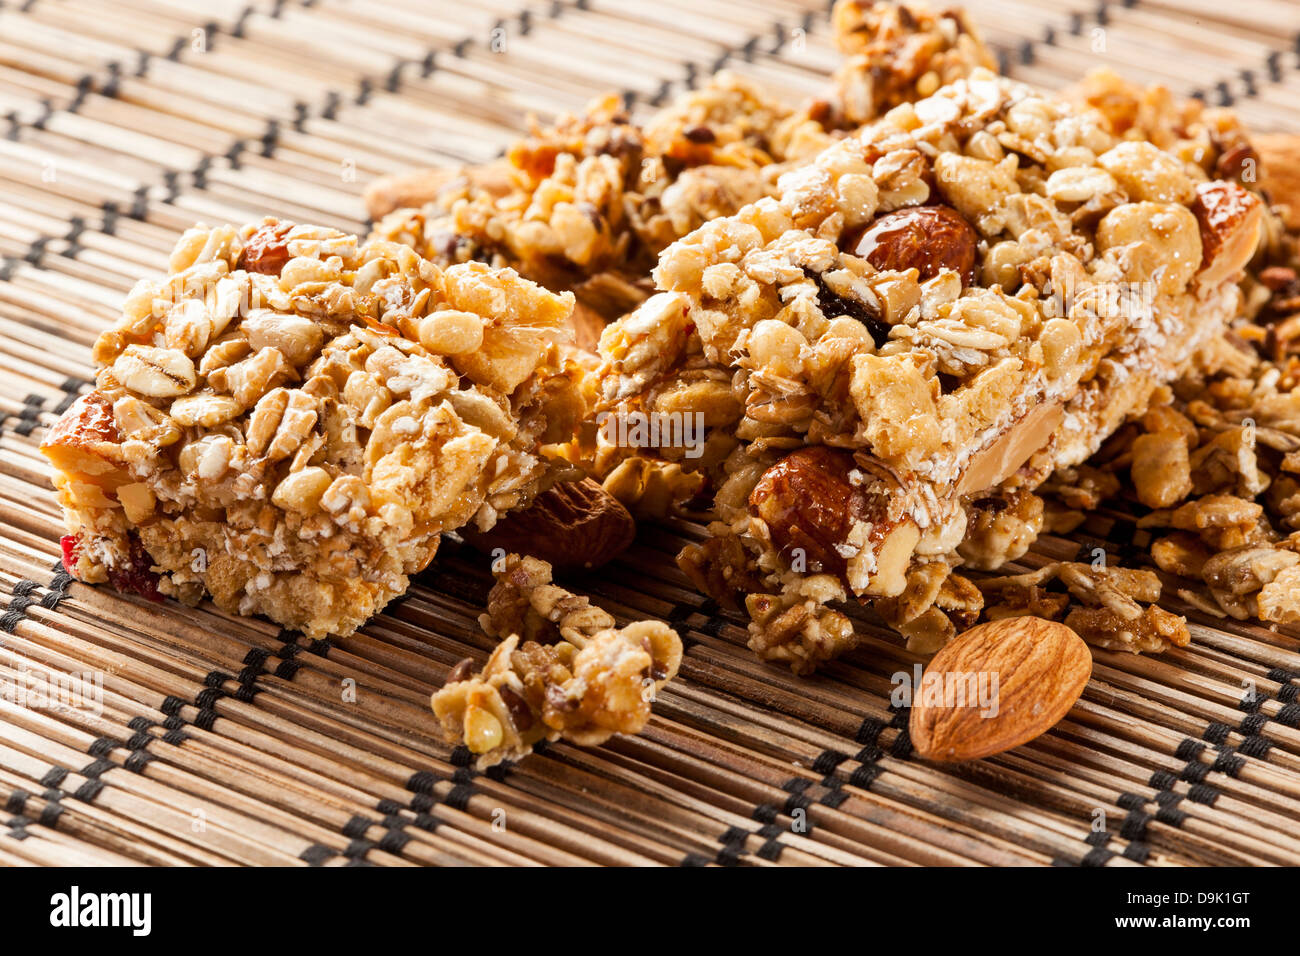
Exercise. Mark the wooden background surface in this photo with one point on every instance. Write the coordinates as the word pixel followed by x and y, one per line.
pixel 223 741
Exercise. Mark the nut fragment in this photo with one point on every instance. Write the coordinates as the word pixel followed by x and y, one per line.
pixel 1154 242
pixel 1230 220
pixel 1036 670
pixel 575 524
pixel 810 506
pixel 155 372
pixel 926 238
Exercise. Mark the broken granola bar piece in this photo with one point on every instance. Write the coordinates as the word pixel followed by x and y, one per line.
pixel 588 202
pixel 562 671
pixel 291 419
pixel 595 197
pixel 929 390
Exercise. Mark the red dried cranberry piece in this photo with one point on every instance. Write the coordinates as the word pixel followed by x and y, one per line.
pixel 138 577
pixel 71 553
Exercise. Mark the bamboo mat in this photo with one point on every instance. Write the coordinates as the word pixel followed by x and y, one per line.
pixel 224 741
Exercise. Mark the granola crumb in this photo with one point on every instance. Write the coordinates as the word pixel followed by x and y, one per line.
pixel 563 670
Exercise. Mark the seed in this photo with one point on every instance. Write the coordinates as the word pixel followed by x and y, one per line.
pixel 520 715
pixel 461 671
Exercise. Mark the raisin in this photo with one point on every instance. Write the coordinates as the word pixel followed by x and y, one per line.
pixel 834 306
pixel 520 715
pixel 461 671
pixel 266 250
pixel 71 553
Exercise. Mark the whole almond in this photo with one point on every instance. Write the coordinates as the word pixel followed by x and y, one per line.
pixel 808 502
pixel 1041 668
pixel 925 238
pixel 574 524
pixel 414 189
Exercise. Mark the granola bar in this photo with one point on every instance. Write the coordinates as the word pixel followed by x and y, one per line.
pixel 589 202
pixel 941 309
pixel 562 670
pixel 291 420
pixel 1213 463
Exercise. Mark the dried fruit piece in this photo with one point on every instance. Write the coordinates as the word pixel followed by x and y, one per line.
pixel 267 250
pixel 833 305
pixel 576 524
pixel 1035 670
pixel 925 238
pixel 136 575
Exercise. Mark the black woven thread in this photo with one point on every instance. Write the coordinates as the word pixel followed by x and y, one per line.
pixel 16 802
pixel 109 84
pixel 316 854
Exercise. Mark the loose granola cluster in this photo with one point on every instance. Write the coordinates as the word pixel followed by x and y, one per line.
pixel 291 420
pixel 896 53
pixel 1117 605
pixel 589 202
pixel 594 198
pixel 1216 475
pixel 963 297
pixel 562 670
